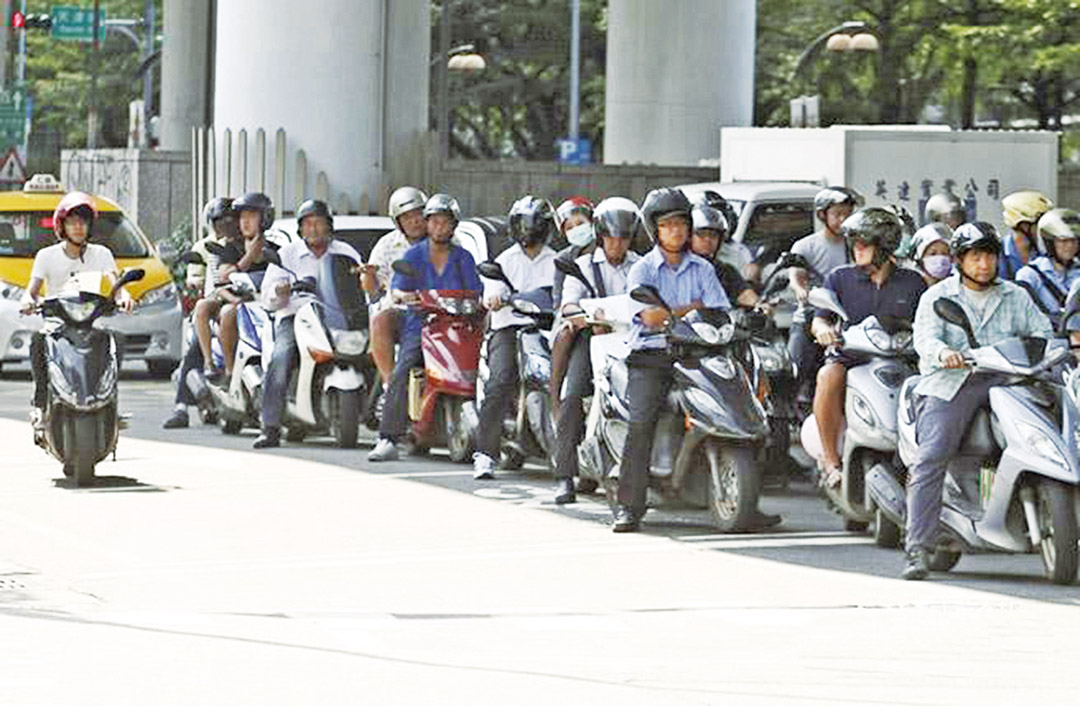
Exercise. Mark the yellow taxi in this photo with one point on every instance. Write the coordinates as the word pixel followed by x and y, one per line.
pixel 152 332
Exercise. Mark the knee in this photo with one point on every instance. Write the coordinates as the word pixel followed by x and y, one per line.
pixel 831 378
pixel 228 314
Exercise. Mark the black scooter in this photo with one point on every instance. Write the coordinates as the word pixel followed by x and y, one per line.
pixel 80 425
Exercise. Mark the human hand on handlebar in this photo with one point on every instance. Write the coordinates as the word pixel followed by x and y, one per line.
pixel 494 302
pixel 655 316
pixel 827 337
pixel 27 306
pixel 951 359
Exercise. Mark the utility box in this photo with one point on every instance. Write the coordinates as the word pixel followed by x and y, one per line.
pixel 897 164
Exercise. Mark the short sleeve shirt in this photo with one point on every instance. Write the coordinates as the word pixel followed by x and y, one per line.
pixel 823 254
pixel 53 267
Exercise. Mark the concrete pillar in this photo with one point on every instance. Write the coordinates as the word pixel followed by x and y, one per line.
pixel 185 71
pixel 316 69
pixel 676 73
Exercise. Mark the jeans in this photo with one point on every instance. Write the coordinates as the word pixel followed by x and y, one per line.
pixel 276 383
pixel 499 391
pixel 395 417
pixel 193 360
pixel 649 380
pixel 807 356
pixel 939 429
pixel 570 426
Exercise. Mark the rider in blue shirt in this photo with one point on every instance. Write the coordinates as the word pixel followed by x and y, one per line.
pixel 440 265
pixel 1050 277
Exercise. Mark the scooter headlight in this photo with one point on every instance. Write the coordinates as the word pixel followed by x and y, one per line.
pixel 1040 442
pixel 721 366
pixel 862 409
pixel 716 335
pixel 76 310
pixel 885 341
pixel 350 343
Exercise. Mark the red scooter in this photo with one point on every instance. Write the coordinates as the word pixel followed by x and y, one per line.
pixel 450 341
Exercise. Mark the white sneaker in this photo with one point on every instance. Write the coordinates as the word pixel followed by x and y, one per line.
pixel 385 450
pixel 483 467
pixel 37 418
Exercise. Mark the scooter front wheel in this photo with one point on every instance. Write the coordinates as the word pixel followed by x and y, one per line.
pixel 734 485
pixel 458 440
pixel 347 418
pixel 1055 509
pixel 80 448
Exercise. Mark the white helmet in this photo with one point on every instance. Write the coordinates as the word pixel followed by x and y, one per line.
pixel 405 199
pixel 928 235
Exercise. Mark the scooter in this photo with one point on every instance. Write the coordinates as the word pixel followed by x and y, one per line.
pixel 80 425
pixel 326 391
pixel 439 392
pixel 1012 488
pixel 709 437
pixel 530 431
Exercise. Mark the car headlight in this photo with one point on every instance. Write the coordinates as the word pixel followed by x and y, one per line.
pixel 165 293
pixel 1037 440
pixel 11 291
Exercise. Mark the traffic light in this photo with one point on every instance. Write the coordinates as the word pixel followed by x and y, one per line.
pixel 38 22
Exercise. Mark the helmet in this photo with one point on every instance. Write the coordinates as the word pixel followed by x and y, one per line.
pixel 616 217
pixel 979 235
pixel 405 199
pixel 661 202
pixel 574 203
pixel 443 203
pixel 928 235
pixel 73 201
pixel 1059 223
pixel 874 226
pixel 256 201
pixel 703 217
pixel 941 206
pixel 715 200
pixel 531 221
pixel 314 207
pixel 833 195
pixel 216 208
pixel 1024 207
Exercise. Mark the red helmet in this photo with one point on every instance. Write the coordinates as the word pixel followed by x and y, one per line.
pixel 72 201
pixel 574 203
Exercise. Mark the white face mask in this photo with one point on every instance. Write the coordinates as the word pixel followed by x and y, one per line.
pixel 581 235
pixel 937 266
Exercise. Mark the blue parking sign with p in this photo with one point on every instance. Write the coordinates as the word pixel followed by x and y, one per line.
pixel 575 151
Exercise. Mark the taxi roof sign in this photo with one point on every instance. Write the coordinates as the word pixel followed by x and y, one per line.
pixel 43 183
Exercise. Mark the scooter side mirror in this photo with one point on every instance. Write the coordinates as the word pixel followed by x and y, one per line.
pixel 821 298
pixel 493 270
pixel 790 259
pixel 271 256
pixel 215 249
pixel 127 277
pixel 191 257
pixel 951 312
pixel 648 294
pixel 405 269
pixel 571 269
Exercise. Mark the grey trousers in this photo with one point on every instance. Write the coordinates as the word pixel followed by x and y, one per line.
pixel 939 429
pixel 570 426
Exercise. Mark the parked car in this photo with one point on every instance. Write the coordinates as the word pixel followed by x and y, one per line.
pixel 152 332
pixel 772 215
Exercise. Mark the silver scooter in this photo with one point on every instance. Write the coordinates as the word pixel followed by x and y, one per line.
pixel 1012 487
pixel 873 387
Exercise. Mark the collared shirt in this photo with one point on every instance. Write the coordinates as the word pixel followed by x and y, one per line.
pixel 862 297
pixel 297 258
pixel 1052 296
pixel 694 279
pixel 524 273
pixel 459 274
pixel 1009 312
pixel 613 276
pixel 567 254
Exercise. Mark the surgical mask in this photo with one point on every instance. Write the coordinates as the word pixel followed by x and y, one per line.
pixel 581 235
pixel 937 266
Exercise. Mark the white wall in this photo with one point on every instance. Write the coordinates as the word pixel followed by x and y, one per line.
pixel 677 72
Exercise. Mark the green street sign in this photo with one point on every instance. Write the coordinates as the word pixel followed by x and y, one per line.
pixel 13 116
pixel 76 23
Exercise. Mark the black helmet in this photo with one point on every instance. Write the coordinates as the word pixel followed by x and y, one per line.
pixel 531 221
pixel 662 202
pixel 217 208
pixel 833 195
pixel 314 207
pixel 256 201
pixel 874 226
pixel 616 217
pixel 979 235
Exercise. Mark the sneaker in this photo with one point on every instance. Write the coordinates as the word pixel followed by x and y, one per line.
pixel 270 438
pixel 483 467
pixel 831 477
pixel 385 450
pixel 178 420
pixel 918 565
pixel 36 418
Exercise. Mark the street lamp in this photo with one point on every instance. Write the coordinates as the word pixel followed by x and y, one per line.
pixel 846 37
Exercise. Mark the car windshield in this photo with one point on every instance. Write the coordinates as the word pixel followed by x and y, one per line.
pixel 23 233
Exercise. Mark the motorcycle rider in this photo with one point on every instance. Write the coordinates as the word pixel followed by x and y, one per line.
pixel 528 264
pixel 574 217
pixel 441 265
pixel 931 249
pixel 1050 277
pixel 221 223
pixel 54 265
pixel 737 255
pixel 406 208
pixel 949 395
pixel 824 249
pixel 685 282
pixel 301 258
pixel 709 230
pixel 615 221
pixel 1021 212
pixel 872 285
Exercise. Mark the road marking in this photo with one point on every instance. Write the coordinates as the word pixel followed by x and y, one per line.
pixel 422 474
pixel 770 535
pixel 750 542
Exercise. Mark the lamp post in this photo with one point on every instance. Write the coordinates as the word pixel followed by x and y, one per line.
pixel 848 36
pixel 459 58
